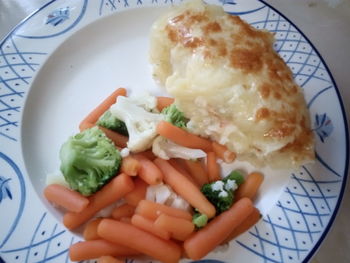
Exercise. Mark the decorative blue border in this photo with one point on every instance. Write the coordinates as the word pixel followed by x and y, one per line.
pixel 345 176
pixel 64 30
pixel 22 189
pixel 255 232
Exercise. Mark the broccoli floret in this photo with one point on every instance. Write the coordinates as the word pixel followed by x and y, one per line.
pixel 235 176
pixel 218 196
pixel 174 116
pixel 199 220
pixel 221 193
pixel 89 160
pixel 108 121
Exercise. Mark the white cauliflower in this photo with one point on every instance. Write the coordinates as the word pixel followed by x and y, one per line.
pixel 163 194
pixel 167 149
pixel 140 123
pixel 146 101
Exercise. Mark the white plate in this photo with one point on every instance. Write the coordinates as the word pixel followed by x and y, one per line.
pixel 69 55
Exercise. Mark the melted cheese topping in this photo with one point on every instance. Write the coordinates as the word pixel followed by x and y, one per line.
pixel 231 84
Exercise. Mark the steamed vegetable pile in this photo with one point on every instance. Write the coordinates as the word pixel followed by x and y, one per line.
pixel 136 174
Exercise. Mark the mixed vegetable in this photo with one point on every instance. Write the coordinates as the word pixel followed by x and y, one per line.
pixel 163 185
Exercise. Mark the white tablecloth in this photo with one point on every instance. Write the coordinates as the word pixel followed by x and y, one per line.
pixel 328 27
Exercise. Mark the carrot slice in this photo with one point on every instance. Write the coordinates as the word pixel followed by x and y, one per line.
pixel 137 239
pixel 96 248
pixel 223 153
pixel 152 210
pixel 100 109
pixel 197 171
pixel 90 230
pixel 149 172
pixel 182 137
pixel 250 221
pixel 130 166
pixel 149 226
pixel 163 102
pixel 138 193
pixel 117 188
pixel 206 239
pixel 213 167
pixel 250 186
pixel 109 259
pixel 185 188
pixel 65 197
pixel 124 210
pixel 179 228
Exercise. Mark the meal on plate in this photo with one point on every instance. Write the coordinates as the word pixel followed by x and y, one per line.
pixel 142 177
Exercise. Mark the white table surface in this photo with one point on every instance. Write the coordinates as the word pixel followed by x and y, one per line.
pixel 328 28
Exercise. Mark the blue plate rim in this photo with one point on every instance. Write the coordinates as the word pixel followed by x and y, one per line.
pixel 346 128
pixel 344 116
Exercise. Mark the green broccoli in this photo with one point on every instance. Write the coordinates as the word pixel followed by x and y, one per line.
pixel 218 196
pixel 174 116
pixel 199 220
pixel 235 176
pixel 221 193
pixel 108 121
pixel 89 160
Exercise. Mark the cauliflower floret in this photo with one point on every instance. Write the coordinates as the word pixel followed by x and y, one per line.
pixel 163 194
pixel 140 123
pixel 146 101
pixel 167 149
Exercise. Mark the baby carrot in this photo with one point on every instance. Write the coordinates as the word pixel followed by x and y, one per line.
pixel 197 171
pixel 126 220
pixel 179 228
pixel 65 197
pixel 149 226
pixel 116 138
pixel 109 259
pixel 182 137
pixel 100 109
pixel 128 235
pixel 148 154
pixel 124 210
pixel 90 230
pixel 130 166
pixel 138 193
pixel 85 125
pixel 152 210
pixel 177 164
pixel 250 186
pixel 185 188
pixel 213 167
pixel 149 172
pixel 216 231
pixel 117 188
pixel 250 221
pixel 163 102
pixel 223 153
pixel 96 248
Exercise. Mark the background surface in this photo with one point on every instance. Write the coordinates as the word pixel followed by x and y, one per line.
pixel 327 25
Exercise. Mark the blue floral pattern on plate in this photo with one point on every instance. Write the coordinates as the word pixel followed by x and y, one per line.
pixel 290 232
pixel 5 188
pixel 58 16
pixel 323 126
